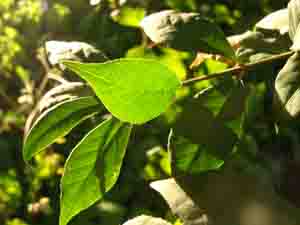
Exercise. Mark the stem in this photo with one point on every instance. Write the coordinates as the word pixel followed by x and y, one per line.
pixel 238 68
pixel 43 60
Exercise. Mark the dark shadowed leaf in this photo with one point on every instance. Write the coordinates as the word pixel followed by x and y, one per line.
pixel 93 167
pixel 229 196
pixel 287 89
pixel 57 122
pixel 133 90
pixel 146 220
pixel 235 102
pixel 233 110
pixel 199 125
pixel 186 31
pixel 189 158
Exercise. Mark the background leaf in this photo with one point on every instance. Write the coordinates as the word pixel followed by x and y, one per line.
pixel 186 31
pixel 93 167
pixel 57 122
pixel 129 16
pixel 133 90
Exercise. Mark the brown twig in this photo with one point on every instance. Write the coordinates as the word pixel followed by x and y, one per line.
pixel 239 68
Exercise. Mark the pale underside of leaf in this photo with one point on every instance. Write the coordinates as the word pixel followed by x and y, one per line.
pixel 146 220
pixel 278 20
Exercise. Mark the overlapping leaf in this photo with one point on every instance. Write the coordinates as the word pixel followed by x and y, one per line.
pixel 93 167
pixel 57 122
pixel 133 90
pixel 186 31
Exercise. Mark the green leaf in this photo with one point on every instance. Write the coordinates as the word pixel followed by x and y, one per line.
pixel 133 90
pixel 294 17
pixel 146 220
pixel 57 122
pixel 93 167
pixel 287 89
pixel 278 20
pixel 187 32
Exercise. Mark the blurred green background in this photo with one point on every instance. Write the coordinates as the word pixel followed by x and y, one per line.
pixel 29 195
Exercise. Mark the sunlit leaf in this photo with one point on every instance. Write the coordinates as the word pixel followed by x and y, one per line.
pixel 133 90
pixel 128 16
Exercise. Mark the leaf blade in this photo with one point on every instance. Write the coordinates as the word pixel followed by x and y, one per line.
pixel 133 90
